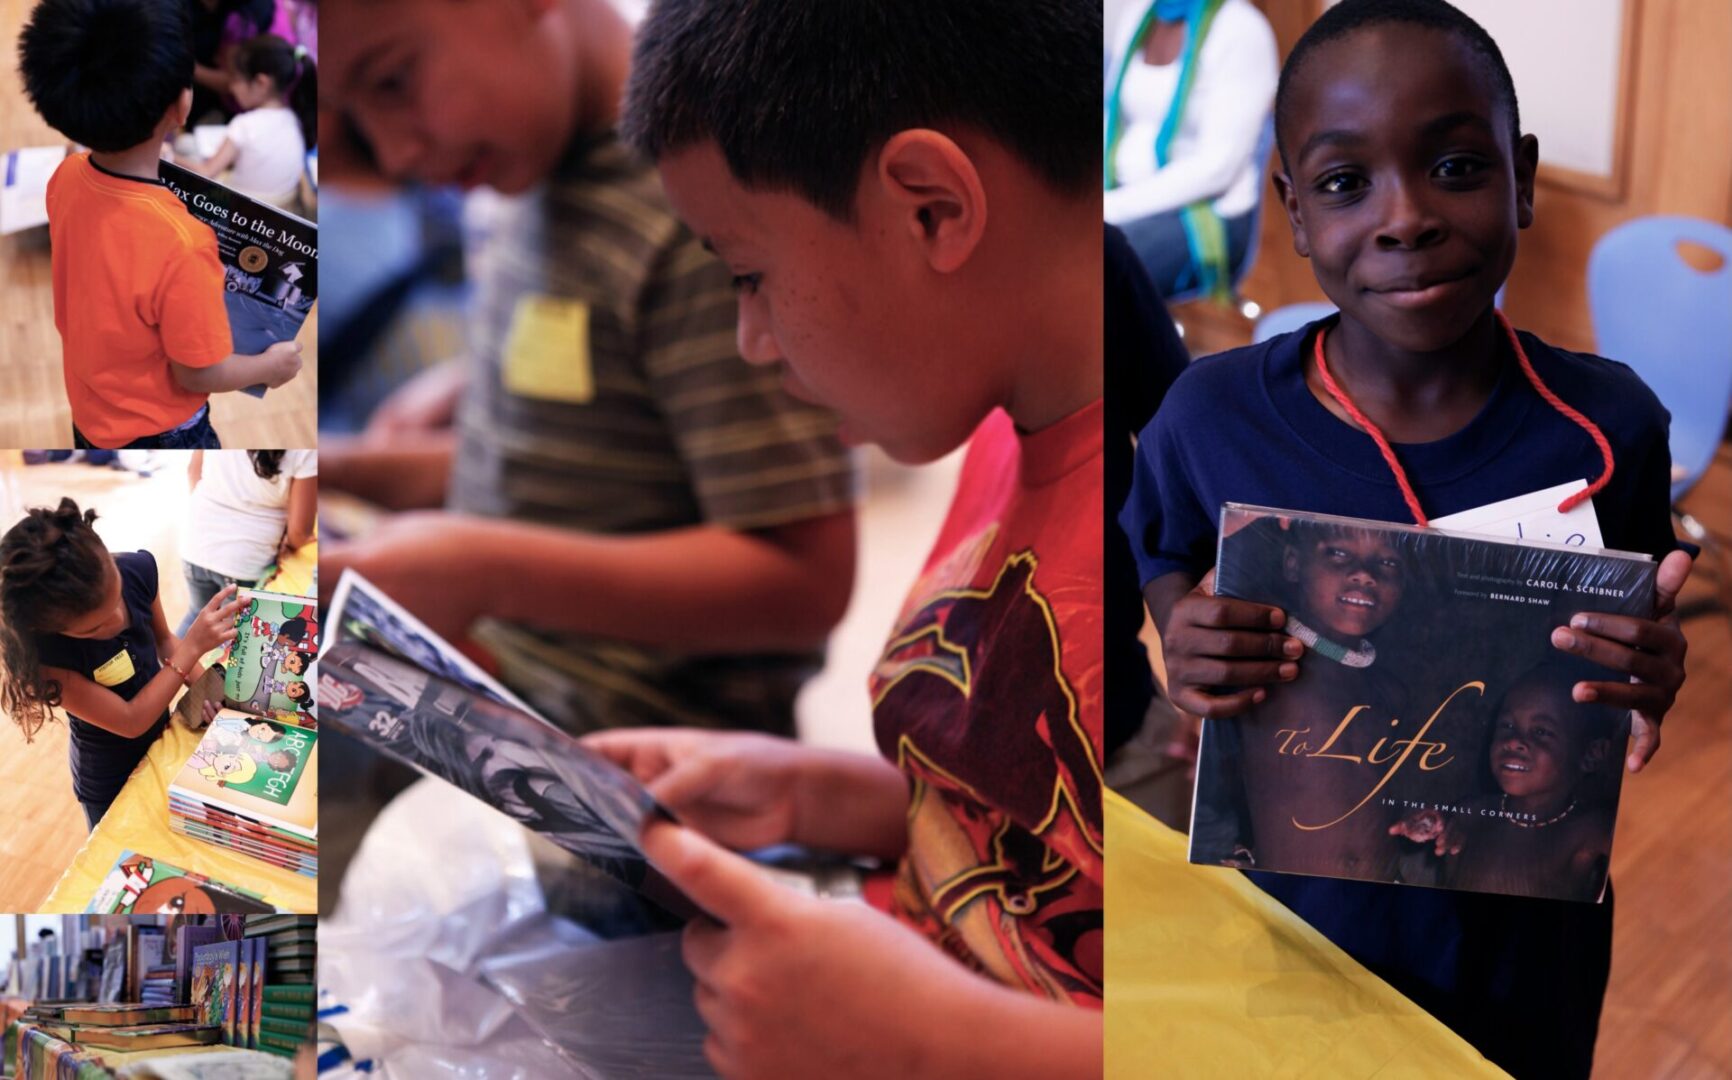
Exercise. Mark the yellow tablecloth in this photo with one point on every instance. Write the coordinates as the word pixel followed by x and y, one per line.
pixel 1209 976
pixel 138 820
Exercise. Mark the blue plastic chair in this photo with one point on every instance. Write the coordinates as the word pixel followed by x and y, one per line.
pixel 1672 323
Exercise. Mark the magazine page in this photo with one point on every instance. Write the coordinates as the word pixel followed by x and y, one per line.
pixel 270 260
pixel 1431 737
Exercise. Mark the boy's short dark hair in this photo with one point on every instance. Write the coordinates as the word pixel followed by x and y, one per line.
pixel 102 72
pixel 1350 15
pixel 797 94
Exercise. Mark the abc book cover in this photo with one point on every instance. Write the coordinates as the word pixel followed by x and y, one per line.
pixel 262 769
pixel 1431 737
pixel 270 260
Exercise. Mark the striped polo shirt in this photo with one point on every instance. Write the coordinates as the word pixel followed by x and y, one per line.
pixel 607 396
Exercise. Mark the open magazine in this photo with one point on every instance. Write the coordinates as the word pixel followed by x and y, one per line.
pixel 1431 737
pixel 270 260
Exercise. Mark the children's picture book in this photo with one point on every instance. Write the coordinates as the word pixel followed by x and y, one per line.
pixel 270 260
pixel 24 175
pixel 262 769
pixel 434 710
pixel 256 991
pixel 215 980
pixel 1431 737
pixel 140 885
pixel 187 937
pixel 265 668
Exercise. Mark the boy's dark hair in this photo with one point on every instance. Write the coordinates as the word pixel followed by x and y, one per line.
pixel 1351 15
pixel 267 463
pixel 292 71
pixel 102 72
pixel 799 94
pixel 53 567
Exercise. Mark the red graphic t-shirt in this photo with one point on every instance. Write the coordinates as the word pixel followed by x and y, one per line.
pixel 989 697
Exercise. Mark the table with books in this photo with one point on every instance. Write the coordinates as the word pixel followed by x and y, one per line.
pixel 276 867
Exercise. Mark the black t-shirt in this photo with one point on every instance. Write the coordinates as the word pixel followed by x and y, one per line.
pixel 102 760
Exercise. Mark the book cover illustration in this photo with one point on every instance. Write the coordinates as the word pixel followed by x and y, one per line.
pixel 265 668
pixel 362 613
pixel 1431 737
pixel 140 885
pixel 262 769
pixel 215 975
pixel 270 260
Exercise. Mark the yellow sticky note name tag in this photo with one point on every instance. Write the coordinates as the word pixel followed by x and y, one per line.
pixel 115 671
pixel 547 351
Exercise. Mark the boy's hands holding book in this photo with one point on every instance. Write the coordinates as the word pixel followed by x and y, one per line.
pixel 280 362
pixel 793 985
pixel 1650 651
pixel 1220 653
pixel 747 791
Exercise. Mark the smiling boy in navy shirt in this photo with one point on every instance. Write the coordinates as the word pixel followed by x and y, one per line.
pixel 1406 180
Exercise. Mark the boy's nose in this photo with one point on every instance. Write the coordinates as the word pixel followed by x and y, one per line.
pixel 399 152
pixel 757 343
pixel 1408 221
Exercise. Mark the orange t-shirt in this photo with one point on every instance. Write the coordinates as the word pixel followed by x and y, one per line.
pixel 137 283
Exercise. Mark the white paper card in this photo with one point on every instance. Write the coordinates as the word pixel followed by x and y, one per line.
pixel 24 186
pixel 1533 516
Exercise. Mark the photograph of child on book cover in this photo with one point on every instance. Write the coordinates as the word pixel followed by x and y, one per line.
pixel 1436 743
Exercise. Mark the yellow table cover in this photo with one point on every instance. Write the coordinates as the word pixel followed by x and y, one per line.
pixel 1209 976
pixel 138 820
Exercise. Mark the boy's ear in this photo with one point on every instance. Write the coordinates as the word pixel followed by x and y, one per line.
pixel 1290 203
pixel 174 117
pixel 935 194
pixel 1527 163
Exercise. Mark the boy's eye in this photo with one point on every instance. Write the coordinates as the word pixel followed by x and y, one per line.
pixel 1459 168
pixel 747 283
pixel 1340 183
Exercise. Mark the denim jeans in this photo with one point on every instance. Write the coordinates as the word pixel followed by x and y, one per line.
pixel 93 812
pixel 195 434
pixel 201 585
pixel 1160 243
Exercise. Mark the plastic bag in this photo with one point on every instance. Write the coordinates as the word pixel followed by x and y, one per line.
pixel 443 961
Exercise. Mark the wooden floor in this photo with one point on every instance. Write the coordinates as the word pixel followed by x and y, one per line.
pixel 33 409
pixel 41 824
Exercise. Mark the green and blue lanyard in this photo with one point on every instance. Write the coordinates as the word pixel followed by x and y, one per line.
pixel 1205 234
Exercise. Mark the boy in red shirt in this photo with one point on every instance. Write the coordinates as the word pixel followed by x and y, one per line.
pixel 908 195
pixel 138 289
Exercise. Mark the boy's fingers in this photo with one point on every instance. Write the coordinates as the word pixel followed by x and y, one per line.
pixel 731 889
pixel 1647 734
pixel 1217 706
pixel 688 782
pixel 1211 672
pixel 1225 613
pixel 1625 695
pixel 701 947
pixel 1611 654
pixel 1669 581
pixel 1644 634
pixel 1241 643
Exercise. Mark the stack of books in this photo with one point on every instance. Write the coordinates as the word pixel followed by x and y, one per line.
pixel 287 1022
pixel 227 980
pixel 158 987
pixel 126 1027
pixel 252 786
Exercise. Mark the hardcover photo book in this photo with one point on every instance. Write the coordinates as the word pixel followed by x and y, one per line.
pixel 1431 737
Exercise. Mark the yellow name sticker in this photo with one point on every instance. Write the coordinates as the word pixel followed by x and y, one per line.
pixel 547 351
pixel 117 670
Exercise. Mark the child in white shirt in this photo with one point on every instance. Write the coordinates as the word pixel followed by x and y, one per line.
pixel 276 85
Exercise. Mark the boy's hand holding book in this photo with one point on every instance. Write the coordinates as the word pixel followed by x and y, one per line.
pixel 866 995
pixel 1220 653
pixel 748 791
pixel 280 363
pixel 1650 651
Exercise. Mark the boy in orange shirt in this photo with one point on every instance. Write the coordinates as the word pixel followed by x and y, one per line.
pixel 138 289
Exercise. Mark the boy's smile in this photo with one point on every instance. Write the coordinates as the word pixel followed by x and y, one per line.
pixel 1405 186
pixel 1532 750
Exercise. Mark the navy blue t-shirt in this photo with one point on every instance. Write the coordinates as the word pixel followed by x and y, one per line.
pixel 102 760
pixel 1243 426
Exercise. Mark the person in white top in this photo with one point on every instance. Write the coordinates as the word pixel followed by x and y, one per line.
pixel 249 508
pixel 1209 152
pixel 266 145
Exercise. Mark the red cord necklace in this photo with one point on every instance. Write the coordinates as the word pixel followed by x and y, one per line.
pixel 1383 445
